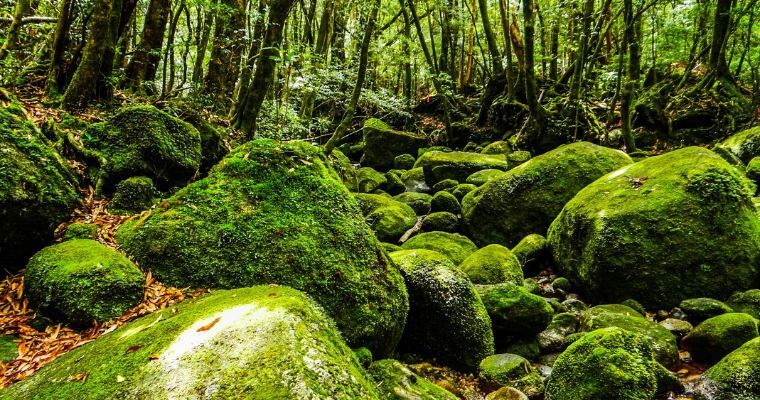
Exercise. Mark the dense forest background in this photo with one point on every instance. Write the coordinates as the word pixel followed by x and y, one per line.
pixel 648 73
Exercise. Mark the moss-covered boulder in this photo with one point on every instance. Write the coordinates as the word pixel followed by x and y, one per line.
pixel 506 393
pixel 493 264
pixel 447 319
pixel 552 339
pixel 527 198
pixel 446 184
pixel 255 343
pixel 276 213
pixel 533 252
pixel 133 195
pixel 717 336
pixel 368 180
pixel 511 370
pixel 457 165
pixel 37 189
pixel 420 202
pixel 609 363
pixel 484 176
pixel 345 169
pixel 145 141
pixel 440 221
pixel 753 170
pixel 213 148
pixel 702 308
pixel 382 144
pixel 746 302
pixel 665 229
pixel 397 382
pixel 453 245
pixel 81 280
pixel 624 317
pixel 81 230
pixel 745 144
pixel 498 147
pixel 404 161
pixel 388 218
pixel 735 377
pixel 462 189
pixel 445 202
pixel 414 180
pixel 514 311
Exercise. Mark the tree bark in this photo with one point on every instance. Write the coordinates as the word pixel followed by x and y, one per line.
pixel 226 52
pixel 11 38
pixel 632 75
pixel 493 49
pixel 144 64
pixel 537 116
pixel 56 72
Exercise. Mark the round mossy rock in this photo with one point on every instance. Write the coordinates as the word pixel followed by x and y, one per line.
pixel 440 221
pixel 272 212
pixel 457 165
pixel 369 180
pixel 514 311
pixel 533 252
pixel 80 230
pixel 414 180
pixel 461 190
pixel 498 147
pixel 397 382
pixel 453 245
pixel 460 331
pixel 388 218
pixel 702 308
pixel 81 280
pixel 609 363
pixel 420 202
pixel 745 144
pixel 735 377
pixel 493 264
pixel 753 170
pixel 37 189
pixel 484 176
pixel 511 370
pixel 665 229
pixel 446 184
pixel 445 201
pixel 404 161
pixel 717 336
pixel 133 195
pixel 382 144
pixel 527 198
pixel 262 342
pixel 746 302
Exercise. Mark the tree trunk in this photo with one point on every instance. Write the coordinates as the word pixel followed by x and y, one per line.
pixel 493 49
pixel 226 52
pixel 632 75
pixel 11 38
pixel 320 52
pixel 537 116
pixel 144 64
pixel 200 54
pixel 56 73
pixel 717 64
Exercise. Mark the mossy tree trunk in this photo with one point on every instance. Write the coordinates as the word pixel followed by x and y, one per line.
pixel 259 25
pixel 144 63
pixel 56 76
pixel 320 52
pixel 631 45
pixel 11 38
pixel 202 39
pixel 226 52
pixel 496 83
pixel 537 113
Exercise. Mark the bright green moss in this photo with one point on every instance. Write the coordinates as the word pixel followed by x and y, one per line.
pixel 383 144
pixel 397 382
pixel 514 311
pixel 81 280
pixel 388 218
pixel 665 229
pixel 746 302
pixel 144 140
pixel 346 171
pixel 404 161
pixel 518 157
pixel 498 147
pixel 8 348
pixel 447 319
pixel 369 180
pixel 745 144
pixel 607 364
pixel 457 165
pixel 276 213
pixel 446 184
pixel 420 202
pixel 735 377
pixel 533 252
pixel 484 176
pixel 511 370
pixel 37 189
pixel 81 230
pixel 493 264
pixel 445 201
pixel 702 308
pixel 620 316
pixel 262 342
pixel 526 199
pixel 753 170
pixel 133 195
pixel 717 336
pixel 461 190
pixel 440 221
pixel 414 180
pixel 453 245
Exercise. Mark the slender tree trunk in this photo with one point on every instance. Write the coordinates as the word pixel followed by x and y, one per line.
pixel 105 86
pixel 226 52
pixel 200 54
pixel 717 64
pixel 320 52
pixel 504 12
pixel 632 75
pixel 553 63
pixel 11 38
pixel 580 59
pixel 250 63
pixel 537 116
pixel 56 72
pixel 144 64
pixel 493 49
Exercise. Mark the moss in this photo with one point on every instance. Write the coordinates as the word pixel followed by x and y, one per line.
pixel 746 302
pixel 213 148
pixel 492 264
pixel 453 245
pixel 414 180
pixel 506 393
pixel 457 165
pixel 445 201
pixel 388 218
pixel 368 180
pixel 518 157
pixel 440 221
pixel 514 311
pixel 607 364
pixel 446 184
pixel 717 336
pixel 382 144
pixel 276 213
pixel 346 171
pixel 562 283
pixel 702 308
pixel 552 339
pixel 404 161
pixel 665 229
pixel 753 170
pixel 37 189
pixel 735 377
pixel 363 356
pixel 8 348
pixel 745 144
pixel 461 190
pixel 424 150
pixel 81 280
pixel 144 140
pixel 81 230
pixel 484 176
pixel 397 382
pixel 527 198
pixel 498 147
pixel 393 184
pixel 460 334
pixel 525 347
pixel 420 202
pixel 133 195
pixel 533 252
pixel 511 370
pixel 620 316
pixel 246 343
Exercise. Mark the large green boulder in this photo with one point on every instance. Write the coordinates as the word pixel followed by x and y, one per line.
pixel 81 280
pixel 493 264
pixel 702 308
pixel 133 195
pixel 511 370
pixel 388 218
pixel 272 212
pixel 514 311
pixel 527 198
pixel 261 342
pixel 420 202
pixel 484 176
pixel 624 317
pixel 453 245
pixel 609 363
pixel 746 302
pixel 382 144
pixel 735 377
pixel 447 319
pixel 717 336
pixel 37 189
pixel 665 229
pixel 144 141
pixel 745 145
pixel 457 165
pixel 397 382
